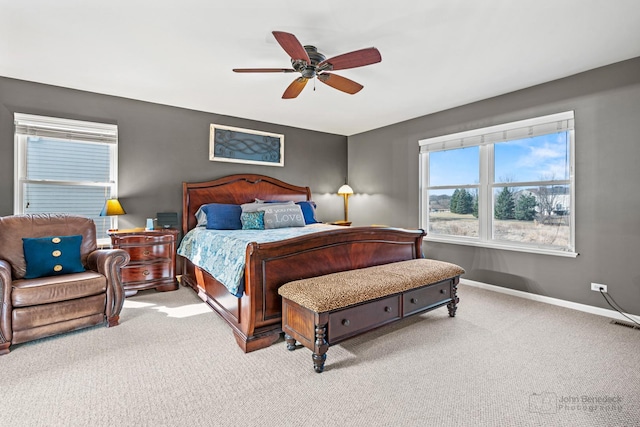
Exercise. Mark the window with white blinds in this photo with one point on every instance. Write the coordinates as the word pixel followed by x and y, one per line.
pixel 509 186
pixel 65 166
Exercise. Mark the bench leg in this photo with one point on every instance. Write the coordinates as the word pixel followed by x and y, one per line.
pixel 452 306
pixel 318 362
pixel 320 349
pixel 291 342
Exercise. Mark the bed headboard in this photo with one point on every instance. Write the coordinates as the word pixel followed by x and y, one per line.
pixel 235 189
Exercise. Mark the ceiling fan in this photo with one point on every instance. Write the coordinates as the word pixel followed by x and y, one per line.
pixel 310 63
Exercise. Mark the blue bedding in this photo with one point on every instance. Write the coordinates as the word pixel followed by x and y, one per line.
pixel 221 253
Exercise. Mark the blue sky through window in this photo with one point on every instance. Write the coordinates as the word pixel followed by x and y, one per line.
pixel 454 167
pixel 538 158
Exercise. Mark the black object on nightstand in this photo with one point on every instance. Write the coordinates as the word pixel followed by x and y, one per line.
pixel 167 219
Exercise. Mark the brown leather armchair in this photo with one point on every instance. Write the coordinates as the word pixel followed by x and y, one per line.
pixel 40 307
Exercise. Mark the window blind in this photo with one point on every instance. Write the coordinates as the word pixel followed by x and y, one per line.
pixel 500 133
pixel 74 130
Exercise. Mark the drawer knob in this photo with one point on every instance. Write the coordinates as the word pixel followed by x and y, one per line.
pixel 345 322
pixel 387 309
pixel 443 291
pixel 146 252
pixel 146 272
pixel 414 300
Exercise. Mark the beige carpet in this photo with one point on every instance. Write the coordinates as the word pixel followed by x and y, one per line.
pixel 503 361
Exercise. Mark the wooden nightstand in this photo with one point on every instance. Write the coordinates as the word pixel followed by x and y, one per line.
pixel 153 258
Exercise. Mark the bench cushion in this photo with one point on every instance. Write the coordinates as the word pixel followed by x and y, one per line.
pixel 339 290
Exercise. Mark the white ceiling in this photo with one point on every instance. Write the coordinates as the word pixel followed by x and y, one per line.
pixel 436 54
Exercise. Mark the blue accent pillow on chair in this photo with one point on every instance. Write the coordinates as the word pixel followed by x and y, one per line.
pixel 52 255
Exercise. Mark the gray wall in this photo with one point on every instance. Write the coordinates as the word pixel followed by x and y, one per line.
pixel 161 146
pixel 383 171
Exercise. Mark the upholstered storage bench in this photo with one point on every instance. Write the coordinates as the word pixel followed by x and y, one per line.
pixel 322 311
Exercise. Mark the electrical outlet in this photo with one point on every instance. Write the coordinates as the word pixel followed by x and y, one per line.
pixel 598 286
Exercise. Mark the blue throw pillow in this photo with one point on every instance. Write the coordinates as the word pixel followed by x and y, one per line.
pixel 52 255
pixel 308 211
pixel 221 216
pixel 252 220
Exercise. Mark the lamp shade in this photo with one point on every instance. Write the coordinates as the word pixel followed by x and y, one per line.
pixel 345 189
pixel 112 207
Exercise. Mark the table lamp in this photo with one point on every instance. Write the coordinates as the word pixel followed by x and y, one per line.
pixel 345 191
pixel 112 207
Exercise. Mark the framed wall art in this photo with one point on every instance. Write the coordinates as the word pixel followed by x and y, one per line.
pixel 236 145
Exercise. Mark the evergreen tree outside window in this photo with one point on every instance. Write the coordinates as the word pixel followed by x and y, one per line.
pixel 505 207
pixel 526 207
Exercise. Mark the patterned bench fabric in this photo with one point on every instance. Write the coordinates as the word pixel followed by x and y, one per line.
pixel 339 290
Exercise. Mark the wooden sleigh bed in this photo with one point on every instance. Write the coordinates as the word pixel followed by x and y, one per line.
pixel 256 316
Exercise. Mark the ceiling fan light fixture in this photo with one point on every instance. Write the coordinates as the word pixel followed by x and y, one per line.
pixel 308 72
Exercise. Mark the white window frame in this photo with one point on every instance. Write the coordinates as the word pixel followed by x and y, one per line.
pixel 485 138
pixel 64 129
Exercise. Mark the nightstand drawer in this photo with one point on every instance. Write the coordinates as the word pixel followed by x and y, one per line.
pixel 423 298
pixel 349 322
pixel 149 252
pixel 146 272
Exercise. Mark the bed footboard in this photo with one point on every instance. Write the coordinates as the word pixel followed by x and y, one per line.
pixel 256 317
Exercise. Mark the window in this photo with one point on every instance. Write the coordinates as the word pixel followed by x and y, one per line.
pixel 65 166
pixel 509 186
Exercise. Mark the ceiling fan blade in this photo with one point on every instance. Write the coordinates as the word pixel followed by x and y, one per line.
pixel 340 83
pixel 264 70
pixel 295 88
pixel 292 46
pixel 357 58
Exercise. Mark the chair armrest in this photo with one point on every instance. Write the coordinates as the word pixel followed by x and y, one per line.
pixel 109 263
pixel 6 333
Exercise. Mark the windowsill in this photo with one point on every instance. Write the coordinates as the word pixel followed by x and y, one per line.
pixel 505 247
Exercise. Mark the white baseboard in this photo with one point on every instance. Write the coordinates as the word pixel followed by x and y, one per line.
pixel 554 301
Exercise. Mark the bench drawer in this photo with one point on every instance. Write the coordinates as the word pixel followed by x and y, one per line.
pixel 352 321
pixel 426 297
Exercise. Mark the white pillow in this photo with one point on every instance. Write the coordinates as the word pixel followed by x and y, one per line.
pixel 201 217
pixel 255 206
